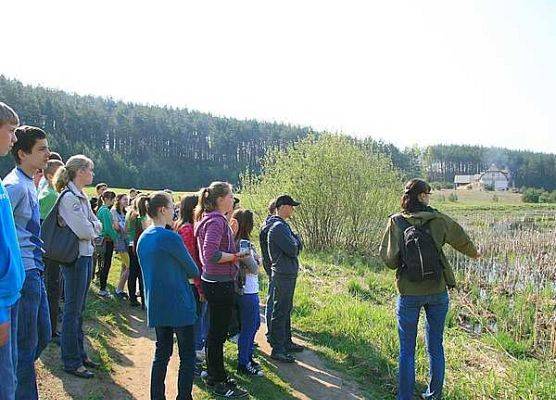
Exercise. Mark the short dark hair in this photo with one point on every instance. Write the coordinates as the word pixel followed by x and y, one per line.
pixel 108 195
pixel 27 136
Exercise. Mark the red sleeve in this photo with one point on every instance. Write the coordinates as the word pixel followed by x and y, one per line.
pixel 188 237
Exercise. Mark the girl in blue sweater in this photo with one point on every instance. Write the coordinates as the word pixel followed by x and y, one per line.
pixel 167 267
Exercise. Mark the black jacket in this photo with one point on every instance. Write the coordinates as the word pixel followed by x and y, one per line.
pixel 283 248
pixel 263 241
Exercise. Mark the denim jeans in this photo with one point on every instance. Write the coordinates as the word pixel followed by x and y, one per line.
pixel 33 332
pixel 8 359
pixel 202 323
pixel 268 308
pixel 163 352
pixel 407 311
pixel 250 322
pixel 52 276
pixel 77 278
pixel 281 331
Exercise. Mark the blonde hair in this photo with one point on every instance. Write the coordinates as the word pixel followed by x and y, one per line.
pixel 8 115
pixel 208 197
pixel 68 172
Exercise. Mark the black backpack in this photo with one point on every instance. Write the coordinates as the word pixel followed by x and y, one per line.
pixel 419 256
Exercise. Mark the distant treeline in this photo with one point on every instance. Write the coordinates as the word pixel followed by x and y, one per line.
pixel 164 147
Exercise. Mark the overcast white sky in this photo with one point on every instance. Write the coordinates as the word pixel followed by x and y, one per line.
pixel 477 72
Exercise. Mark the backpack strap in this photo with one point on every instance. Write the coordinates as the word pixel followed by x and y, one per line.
pixel 401 222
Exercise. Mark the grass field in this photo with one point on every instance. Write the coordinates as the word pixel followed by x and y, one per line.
pixel 345 304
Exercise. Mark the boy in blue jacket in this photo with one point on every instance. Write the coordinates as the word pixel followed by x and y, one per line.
pixel 11 267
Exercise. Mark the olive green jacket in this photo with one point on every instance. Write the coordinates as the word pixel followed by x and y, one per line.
pixel 443 230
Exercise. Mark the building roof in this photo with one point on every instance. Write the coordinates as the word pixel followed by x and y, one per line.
pixel 463 179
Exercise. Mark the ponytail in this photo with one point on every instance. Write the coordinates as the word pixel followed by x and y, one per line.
pixel 410 199
pixel 61 179
pixel 208 198
pixel 150 204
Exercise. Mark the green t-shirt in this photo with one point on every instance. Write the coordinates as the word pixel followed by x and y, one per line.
pixel 131 226
pixel 47 198
pixel 108 230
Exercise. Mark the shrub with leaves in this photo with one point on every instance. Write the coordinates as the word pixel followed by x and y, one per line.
pixel 346 191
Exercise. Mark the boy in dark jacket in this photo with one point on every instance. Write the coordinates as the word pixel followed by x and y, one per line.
pixel 283 249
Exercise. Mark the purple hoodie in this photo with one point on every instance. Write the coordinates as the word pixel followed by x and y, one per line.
pixel 214 236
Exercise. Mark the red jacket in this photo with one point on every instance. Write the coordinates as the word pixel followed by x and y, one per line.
pixel 186 233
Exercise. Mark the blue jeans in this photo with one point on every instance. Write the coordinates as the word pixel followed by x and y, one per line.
pixel 163 352
pixel 407 311
pixel 250 322
pixel 8 359
pixel 269 307
pixel 77 278
pixel 33 332
pixel 201 326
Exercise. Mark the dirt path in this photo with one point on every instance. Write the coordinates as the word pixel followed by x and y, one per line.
pixel 130 375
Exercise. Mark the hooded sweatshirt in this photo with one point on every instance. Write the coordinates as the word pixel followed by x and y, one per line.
pixel 214 237
pixel 443 230
pixel 263 242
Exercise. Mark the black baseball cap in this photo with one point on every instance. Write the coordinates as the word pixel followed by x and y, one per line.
pixel 286 200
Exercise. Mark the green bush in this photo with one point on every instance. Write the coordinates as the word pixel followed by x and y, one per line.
pixel 346 192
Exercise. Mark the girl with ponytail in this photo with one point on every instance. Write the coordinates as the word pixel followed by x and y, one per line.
pixel 75 209
pixel 219 258
pixel 171 309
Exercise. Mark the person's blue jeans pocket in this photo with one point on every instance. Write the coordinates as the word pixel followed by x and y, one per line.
pixel 33 333
pixel 407 311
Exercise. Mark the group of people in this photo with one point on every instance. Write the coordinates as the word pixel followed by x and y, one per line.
pixel 193 266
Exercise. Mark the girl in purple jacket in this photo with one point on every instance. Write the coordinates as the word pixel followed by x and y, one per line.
pixel 219 257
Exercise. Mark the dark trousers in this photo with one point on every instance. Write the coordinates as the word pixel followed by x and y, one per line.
pixel 235 320
pixel 163 352
pixel 220 298
pixel 134 275
pixel 281 332
pixel 107 263
pixel 52 276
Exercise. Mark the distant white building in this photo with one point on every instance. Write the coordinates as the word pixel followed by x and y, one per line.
pixel 494 177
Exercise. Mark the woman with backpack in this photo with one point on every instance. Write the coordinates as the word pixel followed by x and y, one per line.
pixel 412 245
pixel 74 208
pixel 219 258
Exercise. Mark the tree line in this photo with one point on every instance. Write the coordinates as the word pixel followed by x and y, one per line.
pixel 154 146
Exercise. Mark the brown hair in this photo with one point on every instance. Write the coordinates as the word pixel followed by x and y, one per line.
pixel 51 167
pixel 108 195
pixel 245 223
pixel 149 204
pixel 410 199
pixel 119 197
pixel 208 197
pixel 187 207
pixel 8 115
pixel 272 207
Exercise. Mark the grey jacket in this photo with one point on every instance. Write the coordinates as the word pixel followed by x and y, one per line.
pixel 75 210
pixel 283 248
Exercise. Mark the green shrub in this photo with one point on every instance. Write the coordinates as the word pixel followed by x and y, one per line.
pixel 453 197
pixel 346 192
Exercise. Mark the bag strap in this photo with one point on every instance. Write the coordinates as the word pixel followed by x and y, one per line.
pixel 401 222
pixel 56 205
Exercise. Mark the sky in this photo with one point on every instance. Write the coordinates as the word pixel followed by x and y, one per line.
pixel 408 72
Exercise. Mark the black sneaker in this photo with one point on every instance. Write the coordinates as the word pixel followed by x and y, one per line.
pixel 282 357
pixel 224 389
pixel 134 303
pixel 210 382
pixel 295 348
pixel 250 370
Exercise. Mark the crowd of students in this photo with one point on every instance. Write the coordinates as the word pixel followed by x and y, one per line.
pixel 193 266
